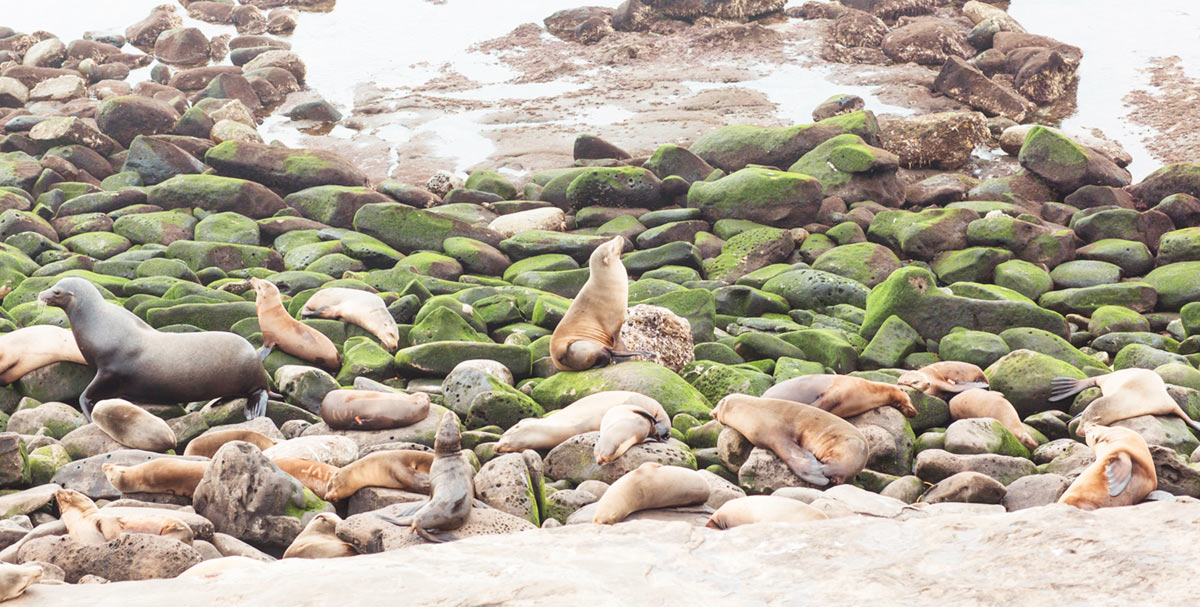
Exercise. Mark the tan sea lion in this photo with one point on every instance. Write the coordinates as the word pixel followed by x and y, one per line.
pixel 133 426
pixel 819 447
pixel 987 403
pixel 763 509
pixel 32 348
pixel 395 469
pixel 650 485
pixel 314 475
pixel 164 475
pixel 371 410
pixel 623 426
pixel 225 563
pixel 206 444
pixel 842 395
pixel 587 334
pixel 357 307
pixel 15 579
pixel 292 336
pixel 1124 394
pixel 318 540
pixel 88 525
pixel 1122 475
pixel 583 415
pixel 945 378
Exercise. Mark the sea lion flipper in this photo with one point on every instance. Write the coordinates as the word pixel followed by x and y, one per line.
pixel 264 352
pixel 411 510
pixel 481 504
pixel 395 521
pixel 626 356
pixel 433 535
pixel 1119 472
pixel 1063 387
pixel 971 385
pixel 805 465
pixel 256 405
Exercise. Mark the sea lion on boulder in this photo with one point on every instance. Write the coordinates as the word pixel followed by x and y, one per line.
pixel 587 334
pixel 356 307
pixel 311 474
pixel 651 485
pixel 133 426
pixel 762 509
pixel 623 426
pixel 944 379
pixel 138 363
pixel 583 415
pixel 32 348
pixel 991 404
pixel 371 410
pixel 163 475
pixel 290 335
pixel 1124 394
pixel 206 444
pixel 394 469
pixel 1122 475
pixel 318 540
pixel 842 395
pixel 88 525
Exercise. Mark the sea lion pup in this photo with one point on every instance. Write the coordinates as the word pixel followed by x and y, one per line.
pixel 318 540
pixel 842 395
pixel 370 410
pixel 1124 394
pixel 1122 475
pixel 15 579
pixel 587 334
pixel 451 488
pixel 206 444
pixel 622 427
pixel 944 379
pixel 763 509
pixel 133 426
pixel 583 415
pixel 314 475
pixel 397 469
pixel 356 307
pixel 819 447
pixel 163 475
pixel 88 525
pixel 32 348
pixel 650 485
pixel 987 403
pixel 291 335
pixel 138 363
pixel 225 563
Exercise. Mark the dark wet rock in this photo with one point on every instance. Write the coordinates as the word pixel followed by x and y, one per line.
pixel 964 82
pixel 927 43
pixel 184 46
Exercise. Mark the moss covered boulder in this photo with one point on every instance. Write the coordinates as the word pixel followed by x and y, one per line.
pixel 1179 178
pixel 1133 257
pixel 864 262
pixel 973 264
pixel 762 195
pixel 532 243
pixel 892 343
pixel 333 205
pixel 1065 164
pixel 1049 344
pixel 215 193
pixel 630 187
pixel 810 289
pixel 227 257
pixel 207 316
pixel 1175 284
pixel 922 235
pixel 749 251
pixel 732 148
pixel 491 182
pixel 439 358
pixel 983 435
pixel 407 229
pixel 1023 376
pixel 853 170
pixel 1137 296
pixel 97 245
pixel 228 227
pixel 362 356
pixel 290 170
pixel 976 347
pixel 653 380
pixel 716 381
pixel 1141 356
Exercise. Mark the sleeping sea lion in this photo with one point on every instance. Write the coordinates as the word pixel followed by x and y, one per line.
pixel 163 475
pixel 311 474
pixel 88 525
pixel 135 362
pixel 318 540
pixel 583 415
pixel 587 334
pixel 16 579
pixel 842 395
pixel 291 335
pixel 623 426
pixel 987 403
pixel 133 426
pixel 394 469
pixel 1124 394
pixel 371 410
pixel 650 485
pixel 357 307
pixel 32 348
pixel 944 379
pixel 1122 475
pixel 206 444
pixel 763 509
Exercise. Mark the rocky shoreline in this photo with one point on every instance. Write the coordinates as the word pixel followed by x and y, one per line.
pixel 854 244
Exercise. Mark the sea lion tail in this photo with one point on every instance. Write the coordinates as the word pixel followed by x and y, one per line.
pixel 1195 425
pixel 1063 387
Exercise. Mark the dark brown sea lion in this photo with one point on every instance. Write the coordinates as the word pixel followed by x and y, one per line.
pixel 587 334
pixel 370 410
pixel 842 395
pixel 1122 475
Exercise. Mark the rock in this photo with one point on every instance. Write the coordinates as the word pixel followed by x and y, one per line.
pixel 533 219
pixel 304 386
pixel 1034 491
pixel 1180 178
pixel 655 381
pixel 333 450
pixel 407 229
pixel 969 487
pixel 134 556
pixel 1173 287
pixel 936 465
pixel 760 195
pixel 659 331
pixel 21 503
pixel 573 459
pixel 183 46
pixel 370 534
pixel 763 473
pixel 125 117
pixel 57 420
pixel 749 251
pixel 853 170
pixel 732 148
pixel 1175 476
pixel 1065 165
pixel 942 141
pixel 927 43
pixel 215 194
pixel 508 483
pixel 1023 376
pixel 983 435
pixel 290 170
pixel 333 205
pixel 85 476
pixel 964 82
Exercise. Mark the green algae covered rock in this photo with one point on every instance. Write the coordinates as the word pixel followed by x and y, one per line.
pixel 1175 284
pixel 287 169
pixel 228 227
pixel 653 380
pixel 769 197
pixel 1023 277
pixel 333 205
pixel 622 187
pixel 976 347
pixel 811 289
pixel 864 262
pixel 922 235
pixel 161 227
pixel 407 229
pixel 1052 345
pixel 894 341
pixel 1023 376
pixel 716 381
pixel 748 251
pixel 216 194
pixel 227 257
pixel 440 358
pixel 732 148
pixel 1137 296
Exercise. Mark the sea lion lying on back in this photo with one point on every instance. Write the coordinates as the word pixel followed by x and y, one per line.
pixel 357 307
pixel 944 379
pixel 1124 394
pixel 842 395
pixel 587 334
pixel 1122 475
pixel 583 415
pixel 26 350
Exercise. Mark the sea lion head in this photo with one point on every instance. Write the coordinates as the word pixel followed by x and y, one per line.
pixel 69 499
pixel 514 440
pixel 113 473
pixel 67 292
pixel 324 522
pixel 448 439
pixel 607 253
pixel 722 406
pixel 901 401
pixel 264 288
pixel 916 380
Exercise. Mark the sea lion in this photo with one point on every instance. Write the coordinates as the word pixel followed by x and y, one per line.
pixel 32 348
pixel 944 379
pixel 583 415
pixel 15 579
pixel 206 444
pixel 587 334
pixel 225 563
pixel 651 485
pixel 819 447
pixel 451 488
pixel 371 410
pixel 987 403
pixel 314 475
pixel 763 509
pixel 623 426
pixel 356 307
pixel 1124 394
pixel 133 426
pixel 842 395
pixel 88 525
pixel 395 469
pixel 292 336
pixel 163 475
pixel 138 363
pixel 1122 475
pixel 318 540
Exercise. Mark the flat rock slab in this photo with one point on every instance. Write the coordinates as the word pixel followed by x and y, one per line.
pixel 767 564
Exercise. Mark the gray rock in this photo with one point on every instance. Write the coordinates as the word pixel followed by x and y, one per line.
pixel 1034 491
pixel 982 435
pixel 596 488
pixel 57 419
pixel 368 533
pixel 86 477
pixel 1164 431
pixel 889 439
pixel 907 489
pixel 573 459
pixel 658 330
pixel 13 529
pixel 560 505
pixel 333 450
pixel 89 441
pixel 469 379
pixel 920 510
pixel 764 472
pixel 506 483
pixel 13 469
pixel 374 498
pixel 720 490
pixel 967 487
pixel 24 502
pixel 1047 452
pixel 303 386
pixel 733 449
pixel 231 546
pixel 207 551
pixel 1175 475
pixel 133 556
pixel 936 465
pixel 1071 461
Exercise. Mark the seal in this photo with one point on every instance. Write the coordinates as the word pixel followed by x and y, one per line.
pixel 451 488
pixel 842 395
pixel 1122 475
pixel 133 426
pixel 290 335
pixel 217 565
pixel 371 410
pixel 136 362
pixel 32 348
pixel 587 334
pixel 1124 394
pixel 650 485
pixel 88 525
pixel 945 378
pixel 583 415
pixel 396 469
pixel 356 307
pixel 621 428
pixel 16 579
pixel 819 447
pixel 762 509
pixel 318 540
pixel 314 475
pixel 163 475
pixel 987 403
pixel 207 444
